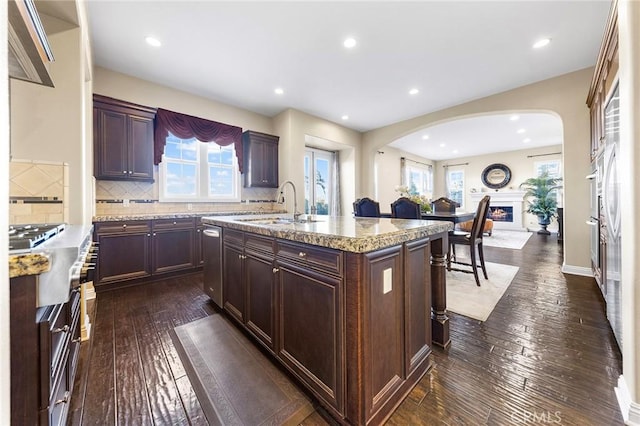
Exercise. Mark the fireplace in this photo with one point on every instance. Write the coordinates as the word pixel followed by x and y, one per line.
pixel 505 208
pixel 501 213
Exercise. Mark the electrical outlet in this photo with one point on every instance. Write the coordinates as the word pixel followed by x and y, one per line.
pixel 387 280
pixel 125 203
pixel 189 206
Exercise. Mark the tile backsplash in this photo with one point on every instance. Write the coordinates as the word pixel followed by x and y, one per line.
pixel 37 192
pixel 129 197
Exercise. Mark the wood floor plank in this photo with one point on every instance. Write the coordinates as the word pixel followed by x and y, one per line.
pixel 545 354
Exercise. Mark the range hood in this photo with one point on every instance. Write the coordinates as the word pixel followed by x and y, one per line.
pixel 29 50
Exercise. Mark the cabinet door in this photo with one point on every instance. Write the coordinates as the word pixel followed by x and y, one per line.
pixel 260 160
pixel 124 256
pixel 310 331
pixel 173 249
pixel 110 144
pixel 260 288
pixel 233 282
pixel 140 149
pixel 384 319
pixel 417 302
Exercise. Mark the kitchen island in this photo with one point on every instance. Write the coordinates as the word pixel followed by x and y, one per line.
pixel 350 306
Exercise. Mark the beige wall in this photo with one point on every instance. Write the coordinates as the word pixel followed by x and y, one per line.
pixel 388 176
pixel 564 96
pixel 47 123
pixel 293 126
pixel 519 162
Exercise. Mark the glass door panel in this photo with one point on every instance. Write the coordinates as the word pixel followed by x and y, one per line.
pixel 318 181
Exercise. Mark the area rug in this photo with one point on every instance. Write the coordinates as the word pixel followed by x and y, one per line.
pixel 506 239
pixel 464 297
pixel 234 382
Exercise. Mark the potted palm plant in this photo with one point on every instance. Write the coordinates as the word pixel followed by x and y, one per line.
pixel 543 203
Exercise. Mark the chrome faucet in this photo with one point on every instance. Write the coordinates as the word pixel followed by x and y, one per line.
pixel 280 199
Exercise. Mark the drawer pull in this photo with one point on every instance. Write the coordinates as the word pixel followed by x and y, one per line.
pixel 174 222
pixel 275 270
pixel 302 254
pixel 61 329
pixel 64 400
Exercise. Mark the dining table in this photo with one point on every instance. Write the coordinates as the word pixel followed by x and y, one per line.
pixel 455 217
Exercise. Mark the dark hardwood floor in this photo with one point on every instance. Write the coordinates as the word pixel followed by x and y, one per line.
pixel 546 355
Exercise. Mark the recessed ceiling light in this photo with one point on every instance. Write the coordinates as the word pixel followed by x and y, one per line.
pixel 526 140
pixel 514 117
pixel 414 91
pixel 442 145
pixel 345 117
pixel 521 131
pixel 541 43
pixel 349 43
pixel 278 90
pixel 425 137
pixel 455 151
pixel 152 41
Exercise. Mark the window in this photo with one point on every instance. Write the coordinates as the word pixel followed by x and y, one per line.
pixel 552 167
pixel 418 178
pixel 194 171
pixel 318 181
pixel 455 186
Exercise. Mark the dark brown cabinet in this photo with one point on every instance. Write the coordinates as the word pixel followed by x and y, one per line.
pixel 260 152
pixel 141 249
pixel 47 340
pixel 125 251
pixel 173 245
pixel 249 284
pixel 123 140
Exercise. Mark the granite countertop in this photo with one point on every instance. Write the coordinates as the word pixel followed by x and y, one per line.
pixel 28 264
pixel 356 235
pixel 151 216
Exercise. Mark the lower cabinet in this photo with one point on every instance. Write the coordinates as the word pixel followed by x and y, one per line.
pixel 138 249
pixel 47 340
pixel 249 283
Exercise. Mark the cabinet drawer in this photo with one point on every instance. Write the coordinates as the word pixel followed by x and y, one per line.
pixel 183 222
pixel 231 236
pixel 319 258
pixel 60 399
pixel 123 226
pixel 255 242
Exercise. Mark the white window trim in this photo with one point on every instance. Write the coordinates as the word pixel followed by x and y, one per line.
pixel 449 171
pixel 202 178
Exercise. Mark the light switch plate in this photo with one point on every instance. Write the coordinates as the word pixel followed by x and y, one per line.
pixel 387 279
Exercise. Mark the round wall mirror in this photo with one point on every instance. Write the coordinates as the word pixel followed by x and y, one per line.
pixel 496 176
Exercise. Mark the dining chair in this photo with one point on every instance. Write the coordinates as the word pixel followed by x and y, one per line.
pixel 444 205
pixel 473 239
pixel 404 208
pixel 366 207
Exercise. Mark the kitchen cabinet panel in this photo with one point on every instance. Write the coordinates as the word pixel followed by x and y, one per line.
pixel 123 256
pixel 123 140
pixel 233 285
pixel 260 152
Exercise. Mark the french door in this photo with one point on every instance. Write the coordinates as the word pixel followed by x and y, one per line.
pixel 318 181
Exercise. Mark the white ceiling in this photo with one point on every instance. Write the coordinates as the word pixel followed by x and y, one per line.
pixel 452 51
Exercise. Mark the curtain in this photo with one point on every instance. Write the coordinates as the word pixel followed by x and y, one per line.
pixel 336 205
pixel 186 126
pixel 403 171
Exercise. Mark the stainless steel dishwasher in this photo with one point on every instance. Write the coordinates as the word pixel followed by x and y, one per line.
pixel 213 263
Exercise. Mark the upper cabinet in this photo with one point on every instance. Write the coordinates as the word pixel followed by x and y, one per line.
pixel 29 51
pixel 260 152
pixel 123 140
pixel 603 81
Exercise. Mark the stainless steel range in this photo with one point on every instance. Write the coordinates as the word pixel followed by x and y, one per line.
pixel 72 256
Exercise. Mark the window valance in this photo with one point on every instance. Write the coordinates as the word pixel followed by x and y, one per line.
pixel 186 126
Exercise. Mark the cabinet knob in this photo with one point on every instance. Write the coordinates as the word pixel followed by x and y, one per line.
pixel 302 254
pixel 174 222
pixel 124 226
pixel 61 329
pixel 239 256
pixel 130 172
pixel 124 171
pixel 64 400
pixel 275 270
pixel 148 235
pixel 154 234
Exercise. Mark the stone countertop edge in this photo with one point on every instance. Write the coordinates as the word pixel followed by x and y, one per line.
pixel 151 216
pixel 28 264
pixel 305 233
